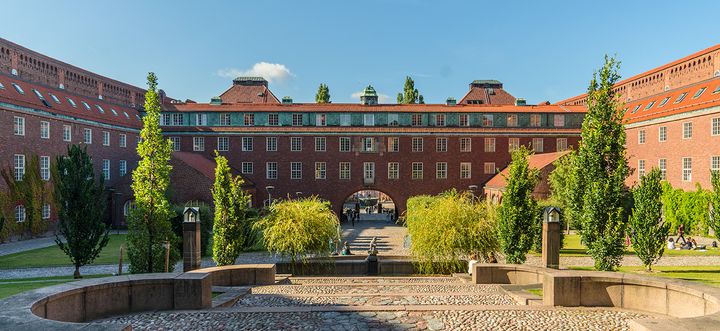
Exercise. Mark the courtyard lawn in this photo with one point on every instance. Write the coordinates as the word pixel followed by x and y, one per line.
pixel 573 247
pixel 10 287
pixel 709 275
pixel 52 256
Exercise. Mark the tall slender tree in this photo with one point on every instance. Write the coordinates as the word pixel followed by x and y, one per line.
pixel 149 226
pixel 648 229
pixel 714 196
pixel 323 94
pixel 600 172
pixel 231 214
pixel 81 204
pixel 518 211
pixel 410 94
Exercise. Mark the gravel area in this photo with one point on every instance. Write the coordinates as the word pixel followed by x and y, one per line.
pixel 375 289
pixel 631 260
pixel 271 300
pixel 375 280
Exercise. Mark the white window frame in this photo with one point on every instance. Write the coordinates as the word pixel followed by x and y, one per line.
pixel 45 213
pixel 297 119
pixel 662 165
pixel 715 126
pixel 512 120
pixel 393 170
pixel 320 170
pixel 20 214
pixel 417 171
pixel 488 120
pixel 19 125
pixel 87 136
pixel 247 144
pixel 535 120
pixel 296 144
pixel 464 120
pixel 344 170
pixel 687 130
pixel 441 170
pixel 465 170
pixel 641 168
pixel 122 167
pixel 106 169
pixel 441 144
pixel 198 144
pixel 641 136
pixel 686 169
pixel 561 144
pixel 271 144
pixel 271 170
pixel 249 119
pixel 106 138
pixel 247 168
pixel 513 144
pixel 295 170
pixel 176 143
pixel 393 144
pixel 439 119
pixel 344 144
pixel 465 144
pixel 123 140
pixel 369 119
pixel 67 133
pixel 225 119
pixel 490 144
pixel 489 168
pixel 417 144
pixel 320 119
pixel 44 130
pixel 223 144
pixel 538 145
pixel 273 119
pixel 320 144
pixel 662 134
pixel 45 168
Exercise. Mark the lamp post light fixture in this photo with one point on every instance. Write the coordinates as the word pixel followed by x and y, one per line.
pixel 551 237
pixel 191 238
pixel 298 195
pixel 472 189
pixel 269 189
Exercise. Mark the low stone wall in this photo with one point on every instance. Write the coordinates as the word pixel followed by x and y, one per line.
pixel 350 266
pixel 240 275
pixel 685 302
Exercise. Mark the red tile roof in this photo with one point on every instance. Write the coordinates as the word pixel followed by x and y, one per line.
pixel 706 100
pixel 248 94
pixel 535 161
pixel 498 97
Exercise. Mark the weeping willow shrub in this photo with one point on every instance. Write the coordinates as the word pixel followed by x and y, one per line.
pixel 299 228
pixel 447 227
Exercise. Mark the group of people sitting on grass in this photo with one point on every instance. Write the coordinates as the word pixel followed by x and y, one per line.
pixel 690 243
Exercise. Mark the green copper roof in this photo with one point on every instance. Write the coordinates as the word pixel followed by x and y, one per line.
pixel 249 79
pixel 369 91
pixel 486 81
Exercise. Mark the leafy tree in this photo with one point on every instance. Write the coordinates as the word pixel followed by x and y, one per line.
pixel 714 198
pixel 323 94
pixel 447 227
pixel 81 204
pixel 517 214
pixel 32 192
pixel 690 208
pixel 410 93
pixel 648 229
pixel 231 209
pixel 562 181
pixel 6 225
pixel 298 228
pixel 149 226
pixel 600 171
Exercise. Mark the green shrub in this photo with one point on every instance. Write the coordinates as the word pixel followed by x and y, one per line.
pixel 688 208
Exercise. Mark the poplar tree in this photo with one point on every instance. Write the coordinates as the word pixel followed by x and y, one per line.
pixel 648 229
pixel 149 228
pixel 81 204
pixel 323 94
pixel 600 171
pixel 714 221
pixel 517 214
pixel 410 93
pixel 231 211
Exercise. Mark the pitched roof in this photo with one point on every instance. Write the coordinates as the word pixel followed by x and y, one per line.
pixel 535 161
pixel 240 93
pixel 638 111
pixel 489 96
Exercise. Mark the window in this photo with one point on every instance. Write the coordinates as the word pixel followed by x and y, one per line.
pixel 320 170
pixel 488 120
pixel 106 169
pixel 100 109
pixel 295 170
pixel 686 169
pixel 636 108
pixel 369 119
pixel 271 170
pixel 297 119
pixel 439 119
pixel 441 144
pixel 46 211
pixel 416 120
pixel 368 144
pixel 45 168
pixel 295 144
pixel 489 168
pixel 320 120
pixel 18 88
pixel 512 120
pixel 247 144
pixel 368 171
pixel 87 136
pixel 663 102
pixel 717 90
pixel 201 119
pixel 198 144
pixel 273 119
pixel 345 120
pixel 393 144
pixel 465 145
pixel 123 140
pixel 123 168
pixel 20 214
pixel 271 144
pixel 465 170
pixel 417 170
pixel 223 144
pixel 715 127
pixel 699 93
pixel 441 170
pixel 558 120
pixel 225 119
pixel 393 120
pixel 662 164
pixel 2 87
pixel 67 133
pixel 513 144
pixel 417 144
pixel 681 97
pixel 464 120
pixel 537 145
pixel 561 144
pixel 106 138
pixel 641 137
pixel 71 102
pixel 715 163
pixel 176 143
pixel 490 145
pixel 249 119
pixel 641 168
pixel 687 130
pixel 44 130
pixel 662 133
pixel 320 144
pixel 85 104
pixel 393 170
pixel 114 112
pixel 246 168
pixel 344 144
pixel 650 105
pixel 345 170
pixel 535 120
pixel 19 126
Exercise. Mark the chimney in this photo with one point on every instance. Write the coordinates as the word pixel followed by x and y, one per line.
pixel 216 101
pixel 287 100
pixel 520 102
pixel 450 101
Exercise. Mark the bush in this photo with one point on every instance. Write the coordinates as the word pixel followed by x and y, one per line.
pixel 206 225
pixel 231 206
pixel 447 227
pixel 688 208
pixel 648 229
pixel 299 228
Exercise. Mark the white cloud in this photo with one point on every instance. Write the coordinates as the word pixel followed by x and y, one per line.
pixel 382 98
pixel 273 72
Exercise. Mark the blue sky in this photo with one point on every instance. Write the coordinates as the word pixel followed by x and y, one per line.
pixel 540 50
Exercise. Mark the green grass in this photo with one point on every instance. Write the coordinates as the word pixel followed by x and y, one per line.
pixel 573 247
pixel 709 275
pixel 52 256
pixel 10 287
pixel 536 291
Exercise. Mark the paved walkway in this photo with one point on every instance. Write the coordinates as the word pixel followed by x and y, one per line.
pixel 390 236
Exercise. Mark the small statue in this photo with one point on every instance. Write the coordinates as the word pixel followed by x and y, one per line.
pixel 373 247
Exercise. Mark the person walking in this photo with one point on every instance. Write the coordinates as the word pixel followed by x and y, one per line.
pixel 681 230
pixel 357 211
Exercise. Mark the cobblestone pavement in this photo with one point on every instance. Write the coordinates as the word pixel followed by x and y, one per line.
pixel 272 300
pixel 370 280
pixel 375 289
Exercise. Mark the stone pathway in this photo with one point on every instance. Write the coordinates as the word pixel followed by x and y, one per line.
pixel 390 236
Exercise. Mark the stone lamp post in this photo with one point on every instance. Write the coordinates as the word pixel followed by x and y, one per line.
pixel 551 237
pixel 191 238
